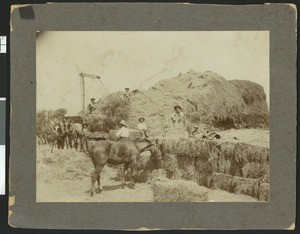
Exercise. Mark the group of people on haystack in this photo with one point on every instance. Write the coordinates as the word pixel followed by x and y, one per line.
pixel 178 120
pixel 177 117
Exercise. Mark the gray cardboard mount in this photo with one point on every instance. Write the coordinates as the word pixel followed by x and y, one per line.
pixel 278 19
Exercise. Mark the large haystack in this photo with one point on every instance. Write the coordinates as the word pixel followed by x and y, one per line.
pixel 206 97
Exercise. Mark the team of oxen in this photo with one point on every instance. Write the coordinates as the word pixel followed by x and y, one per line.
pixel 101 152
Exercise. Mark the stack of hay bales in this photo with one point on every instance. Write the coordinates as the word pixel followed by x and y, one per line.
pixel 235 167
pixel 165 190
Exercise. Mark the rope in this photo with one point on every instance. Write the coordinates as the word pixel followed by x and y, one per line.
pixel 104 86
pixel 90 85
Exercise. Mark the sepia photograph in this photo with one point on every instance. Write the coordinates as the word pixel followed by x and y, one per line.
pixel 152 116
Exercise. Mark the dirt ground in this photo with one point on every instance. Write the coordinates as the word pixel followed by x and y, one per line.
pixel 64 176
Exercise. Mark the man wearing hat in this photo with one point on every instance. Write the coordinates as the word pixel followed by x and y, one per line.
pixel 123 132
pixel 91 106
pixel 85 130
pixel 127 94
pixel 142 126
pixel 177 116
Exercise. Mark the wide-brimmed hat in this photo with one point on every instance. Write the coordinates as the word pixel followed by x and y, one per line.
pixel 177 107
pixel 142 118
pixel 123 123
pixel 127 88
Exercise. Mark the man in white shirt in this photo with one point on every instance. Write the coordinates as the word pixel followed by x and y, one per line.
pixel 142 126
pixel 123 132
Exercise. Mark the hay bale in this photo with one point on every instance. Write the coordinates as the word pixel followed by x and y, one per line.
pixel 159 174
pixel 170 164
pixel 235 184
pixel 189 172
pixel 178 191
pixel 264 192
pixel 254 170
pixel 250 153
pixel 264 174
pixel 187 147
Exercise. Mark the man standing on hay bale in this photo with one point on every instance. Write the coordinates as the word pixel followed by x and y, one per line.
pixel 123 132
pixel 91 106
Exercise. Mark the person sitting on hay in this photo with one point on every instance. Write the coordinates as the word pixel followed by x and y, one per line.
pixel 177 116
pixel 142 126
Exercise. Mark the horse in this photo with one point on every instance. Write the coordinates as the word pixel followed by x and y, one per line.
pixel 125 152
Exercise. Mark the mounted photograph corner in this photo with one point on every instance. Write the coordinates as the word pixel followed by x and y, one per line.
pixel 152 116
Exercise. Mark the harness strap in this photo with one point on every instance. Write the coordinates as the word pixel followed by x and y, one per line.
pixel 148 146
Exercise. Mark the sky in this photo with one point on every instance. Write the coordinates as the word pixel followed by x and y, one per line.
pixel 140 59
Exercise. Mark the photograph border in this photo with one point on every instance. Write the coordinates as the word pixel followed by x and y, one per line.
pixel 278 19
